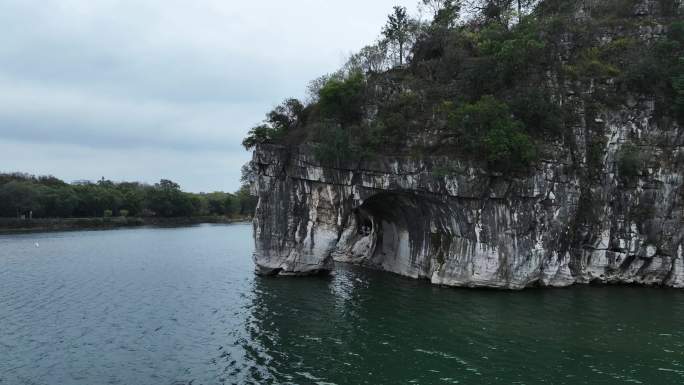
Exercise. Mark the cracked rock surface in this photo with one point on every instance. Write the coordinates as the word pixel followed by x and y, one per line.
pixel 572 219
pixel 552 227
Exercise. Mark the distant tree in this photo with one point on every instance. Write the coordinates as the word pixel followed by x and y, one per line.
pixel 133 197
pixel 59 202
pixel 445 13
pixel 216 203
pixel 246 202
pixel 230 204
pixel 433 6
pixel 221 203
pixel 283 118
pixel 398 31
pixel 342 99
pixel 167 200
pixel 89 200
pixel 19 198
pixel 370 59
pixel 94 199
pixel 247 173
pixel 166 184
pixel 314 87
pixel 16 176
pixel 105 183
pixel 286 116
pixel 495 10
pixel 49 180
pixel 242 202
pixel 258 134
pixel 198 205
pixel 47 196
pixel 500 10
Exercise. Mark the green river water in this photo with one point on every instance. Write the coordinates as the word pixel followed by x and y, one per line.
pixel 182 306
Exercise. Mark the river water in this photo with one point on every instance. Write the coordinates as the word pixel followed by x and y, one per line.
pixel 181 306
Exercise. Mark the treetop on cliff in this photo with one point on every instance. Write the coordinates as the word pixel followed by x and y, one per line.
pixel 522 57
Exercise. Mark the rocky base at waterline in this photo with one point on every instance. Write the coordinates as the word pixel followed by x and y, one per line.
pixel 12 225
pixel 472 228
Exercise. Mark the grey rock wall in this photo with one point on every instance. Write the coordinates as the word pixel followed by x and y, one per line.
pixel 573 219
pixel 561 224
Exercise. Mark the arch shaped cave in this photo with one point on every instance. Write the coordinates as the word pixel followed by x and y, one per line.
pixel 404 233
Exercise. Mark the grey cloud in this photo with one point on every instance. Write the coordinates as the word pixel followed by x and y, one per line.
pixel 75 117
pixel 160 80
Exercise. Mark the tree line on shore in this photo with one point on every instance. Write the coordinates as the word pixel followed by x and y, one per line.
pixel 28 196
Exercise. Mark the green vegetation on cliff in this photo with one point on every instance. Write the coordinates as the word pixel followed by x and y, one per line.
pixel 488 127
pixel 491 81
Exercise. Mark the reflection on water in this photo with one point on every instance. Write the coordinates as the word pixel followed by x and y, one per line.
pixel 181 306
pixel 364 327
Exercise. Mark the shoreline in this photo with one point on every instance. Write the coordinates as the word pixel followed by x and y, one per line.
pixel 14 226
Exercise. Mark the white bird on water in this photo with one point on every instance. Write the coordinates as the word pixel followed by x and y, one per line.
pixel 37 245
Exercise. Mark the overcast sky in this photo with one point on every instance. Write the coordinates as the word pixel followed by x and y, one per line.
pixel 150 89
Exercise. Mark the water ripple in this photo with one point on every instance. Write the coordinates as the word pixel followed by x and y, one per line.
pixel 181 306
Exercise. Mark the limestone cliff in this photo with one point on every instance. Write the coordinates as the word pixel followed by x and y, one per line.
pixel 574 216
pixel 473 228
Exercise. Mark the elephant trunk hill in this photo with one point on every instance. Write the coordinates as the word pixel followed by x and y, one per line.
pixel 544 151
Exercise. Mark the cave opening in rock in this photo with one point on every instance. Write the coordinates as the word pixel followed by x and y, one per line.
pixel 390 213
pixel 393 231
pixel 405 233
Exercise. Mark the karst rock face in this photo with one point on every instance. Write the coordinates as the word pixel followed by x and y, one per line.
pixel 557 225
pixel 570 219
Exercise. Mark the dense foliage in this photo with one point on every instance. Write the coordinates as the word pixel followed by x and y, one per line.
pixel 341 99
pixel 488 127
pixel 48 197
pixel 491 80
